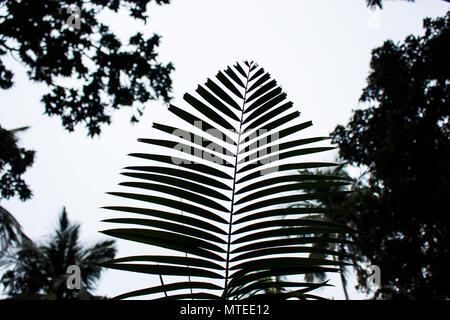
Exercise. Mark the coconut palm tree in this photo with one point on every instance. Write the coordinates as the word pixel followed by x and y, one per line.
pixel 40 271
pixel 14 161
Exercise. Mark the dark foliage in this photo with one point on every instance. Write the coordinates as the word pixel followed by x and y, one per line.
pixel 14 161
pixel 403 140
pixel 42 35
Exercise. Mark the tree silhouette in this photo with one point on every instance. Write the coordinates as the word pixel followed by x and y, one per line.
pixel 42 35
pixel 14 161
pixel 403 141
pixel 40 271
pixel 106 74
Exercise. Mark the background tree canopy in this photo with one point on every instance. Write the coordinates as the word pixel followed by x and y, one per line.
pixel 14 161
pixel 110 75
pixel 403 140
pixel 41 35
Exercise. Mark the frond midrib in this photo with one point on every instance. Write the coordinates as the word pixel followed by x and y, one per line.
pixel 233 189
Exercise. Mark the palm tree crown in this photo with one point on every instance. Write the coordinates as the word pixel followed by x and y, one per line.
pixel 40 271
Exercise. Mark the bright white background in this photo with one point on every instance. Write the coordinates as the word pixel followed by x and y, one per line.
pixel 319 51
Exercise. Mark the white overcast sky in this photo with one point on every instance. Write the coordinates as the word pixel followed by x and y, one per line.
pixel 318 50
